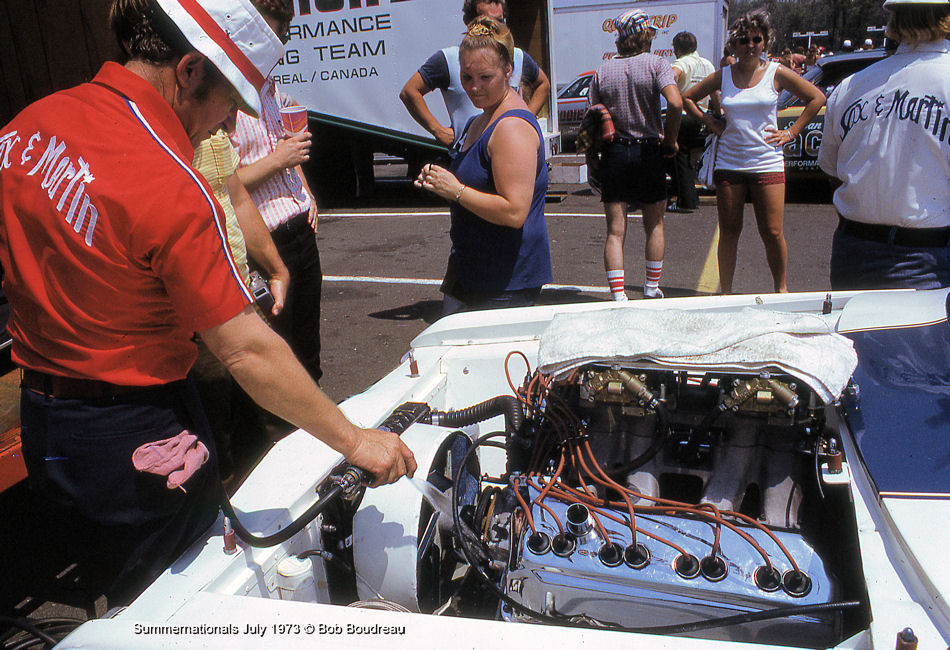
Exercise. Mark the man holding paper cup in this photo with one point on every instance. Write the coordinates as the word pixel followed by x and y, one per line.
pixel 272 148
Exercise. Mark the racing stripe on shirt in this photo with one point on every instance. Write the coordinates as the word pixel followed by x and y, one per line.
pixel 212 203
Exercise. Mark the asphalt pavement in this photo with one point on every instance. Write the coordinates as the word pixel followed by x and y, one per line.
pixel 383 261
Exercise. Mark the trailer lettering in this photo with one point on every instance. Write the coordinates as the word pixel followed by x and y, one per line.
pixel 324 6
pixel 354 25
pixel 287 79
pixel 663 21
pixel 660 21
pixel 352 73
pixel 339 51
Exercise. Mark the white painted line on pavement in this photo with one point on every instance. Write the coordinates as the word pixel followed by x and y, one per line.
pixel 597 215
pixel 430 282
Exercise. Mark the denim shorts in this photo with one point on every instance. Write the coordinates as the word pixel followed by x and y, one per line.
pixel 633 173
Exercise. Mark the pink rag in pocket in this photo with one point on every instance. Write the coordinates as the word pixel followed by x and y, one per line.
pixel 178 458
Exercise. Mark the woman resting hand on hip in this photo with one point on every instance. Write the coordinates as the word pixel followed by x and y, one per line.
pixel 749 158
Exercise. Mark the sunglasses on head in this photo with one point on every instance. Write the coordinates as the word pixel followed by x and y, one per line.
pixel 744 40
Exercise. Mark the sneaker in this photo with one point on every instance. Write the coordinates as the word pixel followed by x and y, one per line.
pixel 620 296
pixel 652 293
pixel 672 206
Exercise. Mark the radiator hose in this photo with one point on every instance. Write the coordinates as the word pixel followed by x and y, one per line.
pixel 505 405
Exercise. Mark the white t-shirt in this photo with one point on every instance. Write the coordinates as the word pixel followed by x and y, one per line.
pixel 887 138
pixel 694 68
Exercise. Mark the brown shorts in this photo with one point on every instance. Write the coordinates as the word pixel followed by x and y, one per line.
pixel 731 177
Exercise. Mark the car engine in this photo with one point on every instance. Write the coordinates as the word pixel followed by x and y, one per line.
pixel 635 498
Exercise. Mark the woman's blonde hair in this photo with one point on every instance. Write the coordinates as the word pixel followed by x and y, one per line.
pixel 484 32
pixel 918 24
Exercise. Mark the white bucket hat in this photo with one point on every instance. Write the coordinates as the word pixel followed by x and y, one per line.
pixel 234 37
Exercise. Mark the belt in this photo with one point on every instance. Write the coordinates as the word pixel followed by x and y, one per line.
pixel 895 236
pixel 74 388
pixel 619 139
pixel 290 228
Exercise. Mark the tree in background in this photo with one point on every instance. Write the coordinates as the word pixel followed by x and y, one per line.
pixel 843 19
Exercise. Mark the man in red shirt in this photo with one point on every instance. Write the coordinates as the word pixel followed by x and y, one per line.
pixel 115 254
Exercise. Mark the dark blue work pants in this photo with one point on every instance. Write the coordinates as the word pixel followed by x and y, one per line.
pixel 78 455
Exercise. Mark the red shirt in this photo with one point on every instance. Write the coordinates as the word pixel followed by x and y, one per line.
pixel 114 250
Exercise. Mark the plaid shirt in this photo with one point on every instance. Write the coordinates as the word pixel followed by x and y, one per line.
pixel 596 130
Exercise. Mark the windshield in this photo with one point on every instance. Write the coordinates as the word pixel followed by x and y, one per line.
pixel 787 99
pixel 577 88
pixel 828 74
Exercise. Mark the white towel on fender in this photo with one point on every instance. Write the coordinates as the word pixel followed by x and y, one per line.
pixel 750 340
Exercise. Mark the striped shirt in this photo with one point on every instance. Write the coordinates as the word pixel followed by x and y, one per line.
pixel 216 160
pixel 281 197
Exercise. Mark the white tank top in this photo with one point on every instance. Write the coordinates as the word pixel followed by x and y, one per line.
pixel 748 112
pixel 460 107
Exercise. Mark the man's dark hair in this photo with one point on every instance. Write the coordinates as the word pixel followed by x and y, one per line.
pixel 684 43
pixel 146 33
pixel 278 9
pixel 470 9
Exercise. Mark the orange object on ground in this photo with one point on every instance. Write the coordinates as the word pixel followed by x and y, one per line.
pixel 12 467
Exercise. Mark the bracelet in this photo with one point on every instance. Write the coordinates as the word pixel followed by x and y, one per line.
pixel 458 195
pixel 789 134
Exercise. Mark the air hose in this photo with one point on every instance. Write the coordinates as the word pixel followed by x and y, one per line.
pixel 345 484
pixel 350 480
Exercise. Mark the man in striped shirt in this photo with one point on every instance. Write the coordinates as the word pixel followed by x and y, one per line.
pixel 270 170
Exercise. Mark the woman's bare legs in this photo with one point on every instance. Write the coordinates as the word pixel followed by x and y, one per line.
pixel 730 201
pixel 769 204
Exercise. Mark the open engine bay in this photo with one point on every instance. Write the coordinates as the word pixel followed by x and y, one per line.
pixel 703 504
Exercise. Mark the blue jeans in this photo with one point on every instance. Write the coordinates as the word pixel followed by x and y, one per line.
pixel 857 263
pixel 78 455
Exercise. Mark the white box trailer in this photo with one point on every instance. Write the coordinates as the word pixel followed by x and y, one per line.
pixel 347 60
pixel 584 36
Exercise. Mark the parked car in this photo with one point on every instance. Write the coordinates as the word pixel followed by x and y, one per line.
pixel 571 104
pixel 801 154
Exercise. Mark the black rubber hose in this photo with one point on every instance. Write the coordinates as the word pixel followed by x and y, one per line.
pixel 748 617
pixel 286 533
pixel 28 627
pixel 506 405
pixel 660 437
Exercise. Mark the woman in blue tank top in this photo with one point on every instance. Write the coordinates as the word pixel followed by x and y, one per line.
pixel 496 183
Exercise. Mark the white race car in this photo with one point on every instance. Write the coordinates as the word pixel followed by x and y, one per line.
pixel 681 473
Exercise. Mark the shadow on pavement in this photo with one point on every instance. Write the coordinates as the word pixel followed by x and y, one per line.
pixel 425 310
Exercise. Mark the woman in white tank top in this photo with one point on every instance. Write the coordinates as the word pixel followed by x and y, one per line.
pixel 749 159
